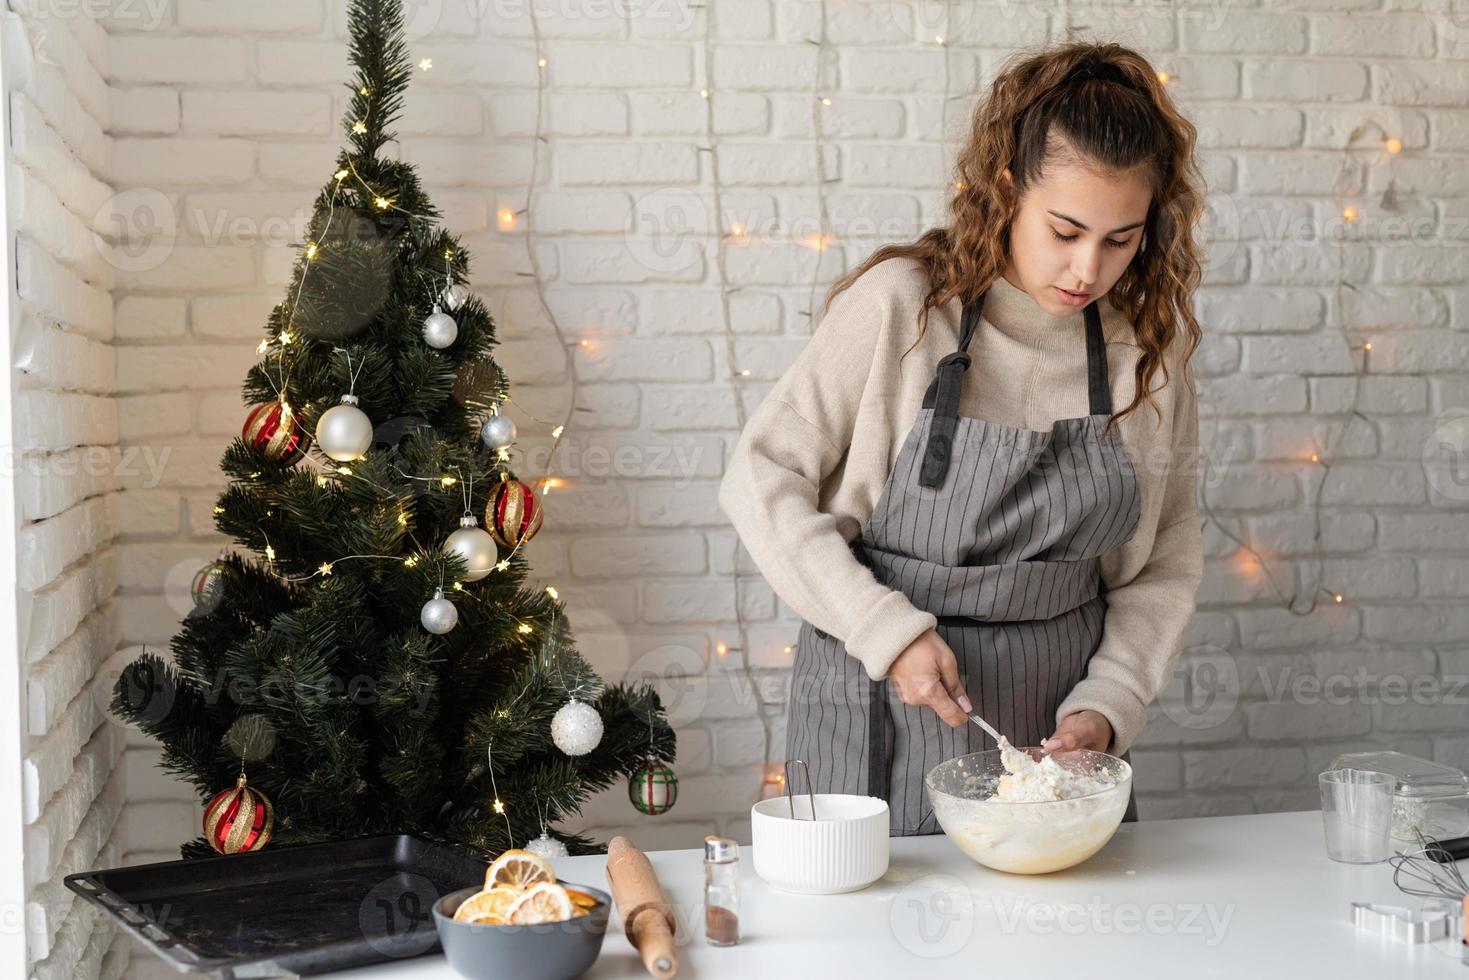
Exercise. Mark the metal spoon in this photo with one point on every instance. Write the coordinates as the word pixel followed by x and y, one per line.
pixel 974 717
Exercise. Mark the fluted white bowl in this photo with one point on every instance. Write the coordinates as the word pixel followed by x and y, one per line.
pixel 845 848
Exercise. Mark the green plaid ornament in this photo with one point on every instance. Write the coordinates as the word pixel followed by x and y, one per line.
pixel 653 788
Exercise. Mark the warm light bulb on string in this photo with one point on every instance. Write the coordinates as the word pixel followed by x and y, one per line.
pixel 1163 78
pixel 359 127
pixel 426 64
pixel 325 568
pixel 505 219
pixel 1349 213
pixel 498 805
pixel 1393 145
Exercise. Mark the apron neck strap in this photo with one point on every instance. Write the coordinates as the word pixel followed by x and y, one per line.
pixel 948 383
pixel 1099 391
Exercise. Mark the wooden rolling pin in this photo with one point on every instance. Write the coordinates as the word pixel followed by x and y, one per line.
pixel 647 918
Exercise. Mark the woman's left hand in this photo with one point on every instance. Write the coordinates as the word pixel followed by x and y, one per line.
pixel 1085 729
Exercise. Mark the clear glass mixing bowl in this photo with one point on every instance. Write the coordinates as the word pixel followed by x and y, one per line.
pixel 1027 838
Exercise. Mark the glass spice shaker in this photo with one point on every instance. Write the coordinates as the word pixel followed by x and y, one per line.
pixel 721 891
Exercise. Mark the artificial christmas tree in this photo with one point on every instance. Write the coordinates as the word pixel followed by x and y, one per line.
pixel 362 484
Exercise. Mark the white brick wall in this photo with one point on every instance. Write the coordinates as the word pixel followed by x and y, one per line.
pixel 220 120
pixel 69 470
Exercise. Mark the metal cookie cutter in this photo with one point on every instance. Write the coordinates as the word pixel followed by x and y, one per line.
pixel 809 793
pixel 1407 925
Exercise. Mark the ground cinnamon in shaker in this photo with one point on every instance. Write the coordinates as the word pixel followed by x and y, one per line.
pixel 721 926
pixel 721 891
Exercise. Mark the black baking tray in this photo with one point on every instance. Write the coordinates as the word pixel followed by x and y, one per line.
pixel 288 910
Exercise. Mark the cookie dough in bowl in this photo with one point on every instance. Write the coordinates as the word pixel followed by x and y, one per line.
pixel 1028 812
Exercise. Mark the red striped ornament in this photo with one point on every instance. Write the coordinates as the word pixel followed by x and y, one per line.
pixel 513 514
pixel 239 819
pixel 273 431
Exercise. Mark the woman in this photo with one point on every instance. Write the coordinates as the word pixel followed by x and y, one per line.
pixel 939 485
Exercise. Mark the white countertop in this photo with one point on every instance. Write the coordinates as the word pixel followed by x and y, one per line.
pixel 1217 896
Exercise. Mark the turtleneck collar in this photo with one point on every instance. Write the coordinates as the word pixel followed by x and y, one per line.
pixel 1013 311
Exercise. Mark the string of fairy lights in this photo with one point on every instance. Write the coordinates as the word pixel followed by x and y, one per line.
pixel 1359 354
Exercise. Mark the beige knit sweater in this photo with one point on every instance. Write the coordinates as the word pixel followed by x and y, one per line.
pixel 810 464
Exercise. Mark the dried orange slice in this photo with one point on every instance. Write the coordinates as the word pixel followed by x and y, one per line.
pixel 545 901
pixel 492 903
pixel 581 899
pixel 519 869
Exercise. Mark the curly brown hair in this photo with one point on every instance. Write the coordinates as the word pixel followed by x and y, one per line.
pixel 1109 109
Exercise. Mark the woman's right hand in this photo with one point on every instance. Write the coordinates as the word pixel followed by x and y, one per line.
pixel 927 673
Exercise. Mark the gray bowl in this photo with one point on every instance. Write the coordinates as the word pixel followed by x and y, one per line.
pixel 553 951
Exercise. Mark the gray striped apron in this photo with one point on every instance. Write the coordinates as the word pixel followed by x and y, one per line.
pixel 999 532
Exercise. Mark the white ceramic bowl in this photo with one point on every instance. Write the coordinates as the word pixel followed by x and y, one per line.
pixel 1027 838
pixel 845 848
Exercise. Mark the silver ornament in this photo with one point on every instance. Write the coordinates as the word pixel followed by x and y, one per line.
pixel 474 544
pixel 439 330
pixel 576 728
pixel 498 432
pixel 344 432
pixel 439 615
pixel 546 847
pixel 455 296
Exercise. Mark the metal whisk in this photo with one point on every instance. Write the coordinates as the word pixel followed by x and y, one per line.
pixel 1428 871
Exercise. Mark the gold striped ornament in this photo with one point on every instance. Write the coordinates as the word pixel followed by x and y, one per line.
pixel 239 819
pixel 513 514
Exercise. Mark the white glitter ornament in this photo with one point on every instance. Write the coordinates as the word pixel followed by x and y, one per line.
pixel 546 847
pixel 439 330
pixel 576 728
pixel 344 432
pixel 474 544
pixel 439 615
pixel 455 296
pixel 498 432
